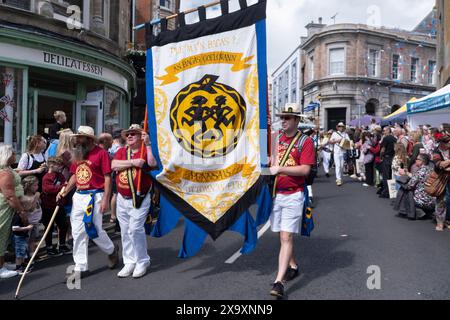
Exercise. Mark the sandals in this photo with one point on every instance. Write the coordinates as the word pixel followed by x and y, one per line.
pixel 440 227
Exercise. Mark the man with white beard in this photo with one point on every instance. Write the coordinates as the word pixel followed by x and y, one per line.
pixel 91 169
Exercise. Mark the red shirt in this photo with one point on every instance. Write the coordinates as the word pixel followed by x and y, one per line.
pixel 122 176
pixel 291 184
pixel 90 173
pixel 52 184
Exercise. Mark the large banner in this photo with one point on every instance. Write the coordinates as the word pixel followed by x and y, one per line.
pixel 207 106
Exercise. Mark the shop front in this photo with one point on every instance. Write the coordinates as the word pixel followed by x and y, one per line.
pixel 41 74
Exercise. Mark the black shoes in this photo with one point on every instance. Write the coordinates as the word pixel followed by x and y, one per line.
pixel 291 273
pixel 277 290
pixel 65 249
pixel 53 252
pixel 327 175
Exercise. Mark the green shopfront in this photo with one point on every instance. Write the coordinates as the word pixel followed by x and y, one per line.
pixel 41 74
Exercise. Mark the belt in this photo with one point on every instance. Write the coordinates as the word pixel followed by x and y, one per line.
pixel 94 191
pixel 289 189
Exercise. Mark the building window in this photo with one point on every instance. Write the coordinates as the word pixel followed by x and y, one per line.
pixel 21 4
pixel 337 61
pixel 395 67
pixel 294 96
pixel 286 79
pixel 414 69
pixel 294 73
pixel 373 62
pixel 431 72
pixel 165 3
pixel 11 84
pixel 311 68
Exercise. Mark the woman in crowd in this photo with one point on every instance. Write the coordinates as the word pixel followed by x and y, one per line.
pixel 417 140
pixel 10 191
pixel 422 199
pixel 400 162
pixel 441 159
pixel 33 162
pixel 366 144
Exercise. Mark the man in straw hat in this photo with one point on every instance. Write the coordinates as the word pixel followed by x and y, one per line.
pixel 91 171
pixel 132 214
pixel 338 152
pixel 296 156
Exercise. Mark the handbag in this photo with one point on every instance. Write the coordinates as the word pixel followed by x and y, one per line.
pixel 436 183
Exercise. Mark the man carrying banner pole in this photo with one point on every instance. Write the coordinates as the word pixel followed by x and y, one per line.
pixel 131 212
pixel 91 171
pixel 296 156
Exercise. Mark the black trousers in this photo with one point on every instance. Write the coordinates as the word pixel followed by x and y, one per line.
pixel 369 173
pixel 387 174
pixel 60 221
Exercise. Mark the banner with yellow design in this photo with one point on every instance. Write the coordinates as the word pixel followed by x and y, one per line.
pixel 207 100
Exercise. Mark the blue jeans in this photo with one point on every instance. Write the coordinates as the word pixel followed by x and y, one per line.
pixel 21 246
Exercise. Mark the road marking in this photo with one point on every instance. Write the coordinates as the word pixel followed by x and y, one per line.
pixel 236 256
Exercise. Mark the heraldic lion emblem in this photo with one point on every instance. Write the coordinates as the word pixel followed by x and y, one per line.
pixel 208 118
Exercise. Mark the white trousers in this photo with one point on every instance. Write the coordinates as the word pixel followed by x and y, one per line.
pixel 326 156
pixel 134 239
pixel 80 238
pixel 339 164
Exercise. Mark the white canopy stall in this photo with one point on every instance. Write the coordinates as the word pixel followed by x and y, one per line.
pixel 433 109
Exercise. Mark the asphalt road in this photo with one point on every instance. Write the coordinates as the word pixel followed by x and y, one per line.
pixel 354 230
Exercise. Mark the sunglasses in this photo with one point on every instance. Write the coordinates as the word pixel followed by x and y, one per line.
pixel 286 118
pixel 131 134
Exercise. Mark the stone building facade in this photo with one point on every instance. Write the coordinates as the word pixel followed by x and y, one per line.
pixel 355 69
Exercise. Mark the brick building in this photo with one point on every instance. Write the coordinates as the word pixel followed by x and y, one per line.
pixel 443 42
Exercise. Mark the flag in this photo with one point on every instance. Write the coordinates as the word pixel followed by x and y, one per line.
pixel 207 105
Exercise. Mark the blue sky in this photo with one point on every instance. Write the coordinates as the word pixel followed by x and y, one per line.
pixel 286 19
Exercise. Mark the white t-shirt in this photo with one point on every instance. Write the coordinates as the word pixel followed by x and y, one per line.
pixel 26 161
pixel 336 136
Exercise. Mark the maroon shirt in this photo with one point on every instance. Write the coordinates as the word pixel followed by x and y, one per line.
pixel 90 173
pixel 122 176
pixel 52 184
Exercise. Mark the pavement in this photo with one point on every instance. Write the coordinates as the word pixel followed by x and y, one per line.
pixel 355 234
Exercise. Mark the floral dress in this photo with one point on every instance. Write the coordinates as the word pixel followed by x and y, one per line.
pixel 417 182
pixel 7 213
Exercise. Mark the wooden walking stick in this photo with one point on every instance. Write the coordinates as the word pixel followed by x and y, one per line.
pixel 38 246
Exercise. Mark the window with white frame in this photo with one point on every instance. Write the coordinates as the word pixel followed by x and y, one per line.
pixel 286 79
pixel 337 61
pixel 395 67
pixel 294 73
pixel 311 67
pixel 374 64
pixel 414 69
pixel 431 72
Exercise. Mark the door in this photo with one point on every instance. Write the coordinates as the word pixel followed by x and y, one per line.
pixel 334 116
pixel 91 114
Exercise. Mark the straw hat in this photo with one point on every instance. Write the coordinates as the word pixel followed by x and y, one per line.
pixel 85 131
pixel 133 128
pixel 290 109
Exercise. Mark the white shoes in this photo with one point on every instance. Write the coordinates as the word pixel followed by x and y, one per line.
pixel 365 185
pixel 354 176
pixel 5 273
pixel 126 271
pixel 140 270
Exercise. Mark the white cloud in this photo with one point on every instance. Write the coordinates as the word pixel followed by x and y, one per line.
pixel 286 19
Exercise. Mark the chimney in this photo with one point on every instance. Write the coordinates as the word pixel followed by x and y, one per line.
pixel 314 28
pixel 320 20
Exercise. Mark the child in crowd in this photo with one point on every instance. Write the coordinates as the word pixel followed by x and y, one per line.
pixel 21 229
pixel 31 200
pixel 52 184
